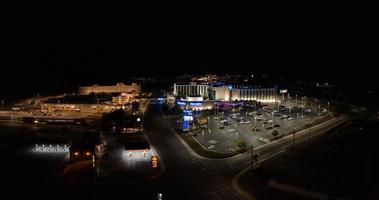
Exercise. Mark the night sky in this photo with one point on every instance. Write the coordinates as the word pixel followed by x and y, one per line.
pixel 74 42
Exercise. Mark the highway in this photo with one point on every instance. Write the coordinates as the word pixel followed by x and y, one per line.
pixel 188 176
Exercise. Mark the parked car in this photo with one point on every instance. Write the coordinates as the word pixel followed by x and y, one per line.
pixel 245 122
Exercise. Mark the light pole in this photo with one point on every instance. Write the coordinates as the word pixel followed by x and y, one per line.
pixel 328 106
pixel 302 106
pixel 255 124
pixel 296 99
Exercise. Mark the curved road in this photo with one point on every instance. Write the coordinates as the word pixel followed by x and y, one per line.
pixel 188 176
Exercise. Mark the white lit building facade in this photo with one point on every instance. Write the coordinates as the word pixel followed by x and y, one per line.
pixel 191 89
pixel 264 95
pixel 227 92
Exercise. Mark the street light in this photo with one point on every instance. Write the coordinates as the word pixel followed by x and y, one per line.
pixel 255 124
pixel 328 106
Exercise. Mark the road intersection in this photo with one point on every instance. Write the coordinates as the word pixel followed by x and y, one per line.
pixel 195 177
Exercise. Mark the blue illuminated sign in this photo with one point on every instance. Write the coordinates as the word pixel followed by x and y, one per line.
pixel 181 103
pixel 195 104
pixel 185 125
pixel 160 99
pixel 187 112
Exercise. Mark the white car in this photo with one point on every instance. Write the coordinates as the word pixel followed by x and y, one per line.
pixel 259 118
pixel 290 118
pixel 252 113
pixel 245 122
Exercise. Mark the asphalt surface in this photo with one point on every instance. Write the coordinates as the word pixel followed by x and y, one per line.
pixel 186 175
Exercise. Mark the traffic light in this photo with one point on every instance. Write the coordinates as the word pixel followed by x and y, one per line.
pixel 154 161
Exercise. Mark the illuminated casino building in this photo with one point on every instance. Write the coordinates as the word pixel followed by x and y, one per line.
pixel 191 89
pixel 222 92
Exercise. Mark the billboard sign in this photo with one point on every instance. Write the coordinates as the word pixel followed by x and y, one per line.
pixel 187 112
pixel 187 118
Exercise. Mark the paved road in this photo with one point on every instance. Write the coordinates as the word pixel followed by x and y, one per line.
pixel 192 177
pixel 188 176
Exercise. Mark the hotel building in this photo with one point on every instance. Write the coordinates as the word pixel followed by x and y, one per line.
pixel 118 88
pixel 227 92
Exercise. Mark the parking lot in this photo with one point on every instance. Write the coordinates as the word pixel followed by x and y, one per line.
pixel 255 126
